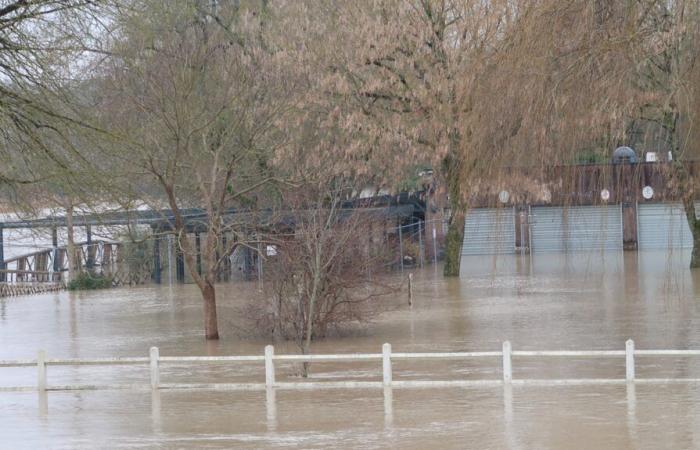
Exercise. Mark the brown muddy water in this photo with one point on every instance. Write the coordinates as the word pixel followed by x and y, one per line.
pixel 543 302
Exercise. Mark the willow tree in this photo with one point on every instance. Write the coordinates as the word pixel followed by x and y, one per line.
pixel 193 94
pixel 667 82
pixel 400 80
pixel 582 75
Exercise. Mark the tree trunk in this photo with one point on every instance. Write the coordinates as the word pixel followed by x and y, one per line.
pixel 453 242
pixel 694 225
pixel 695 255
pixel 688 186
pixel 455 230
pixel 211 327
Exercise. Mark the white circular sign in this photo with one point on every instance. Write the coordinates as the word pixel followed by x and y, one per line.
pixel 647 192
pixel 605 195
pixel 503 196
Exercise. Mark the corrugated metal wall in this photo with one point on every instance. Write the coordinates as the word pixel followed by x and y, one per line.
pixel 489 231
pixel 663 225
pixel 576 228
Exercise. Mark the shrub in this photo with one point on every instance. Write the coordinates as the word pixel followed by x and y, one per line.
pixel 88 281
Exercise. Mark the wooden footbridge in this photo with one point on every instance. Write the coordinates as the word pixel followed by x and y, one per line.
pixel 46 269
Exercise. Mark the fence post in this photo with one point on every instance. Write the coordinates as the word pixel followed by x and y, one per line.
pixel 155 373
pixel 410 289
pixel 507 363
pixel 269 366
pixel 41 370
pixel 386 364
pixel 629 360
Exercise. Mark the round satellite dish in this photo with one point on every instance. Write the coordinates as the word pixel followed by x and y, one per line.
pixel 647 192
pixel 624 155
pixel 503 196
pixel 605 195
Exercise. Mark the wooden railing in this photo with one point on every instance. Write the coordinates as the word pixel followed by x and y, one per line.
pixel 154 361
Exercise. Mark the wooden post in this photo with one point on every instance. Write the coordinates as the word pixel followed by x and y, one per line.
pixel 155 373
pixel 507 363
pixel 629 225
pixel 269 366
pixel 629 360
pixel 410 289
pixel 41 370
pixel 386 364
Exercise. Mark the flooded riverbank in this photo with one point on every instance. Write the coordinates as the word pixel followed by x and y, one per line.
pixel 553 302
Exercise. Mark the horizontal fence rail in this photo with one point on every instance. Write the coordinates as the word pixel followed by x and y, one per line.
pixel 154 361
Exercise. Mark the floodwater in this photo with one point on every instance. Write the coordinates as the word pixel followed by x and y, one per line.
pixel 538 302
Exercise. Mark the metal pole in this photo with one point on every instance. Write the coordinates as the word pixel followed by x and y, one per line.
pixel 90 259
pixel 54 242
pixel 401 246
pixel 198 246
pixel 260 267
pixel 180 263
pixel 420 243
pixel 156 260
pixel 170 258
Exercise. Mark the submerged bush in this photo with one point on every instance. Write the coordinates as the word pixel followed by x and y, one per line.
pixel 87 281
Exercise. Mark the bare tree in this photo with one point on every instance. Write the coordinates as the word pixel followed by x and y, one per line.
pixel 193 98
pixel 324 273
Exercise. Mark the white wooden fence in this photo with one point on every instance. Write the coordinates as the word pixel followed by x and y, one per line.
pixel 386 357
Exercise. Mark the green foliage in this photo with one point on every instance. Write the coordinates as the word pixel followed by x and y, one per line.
pixel 590 157
pixel 88 281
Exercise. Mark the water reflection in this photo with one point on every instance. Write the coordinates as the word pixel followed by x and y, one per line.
pixel 156 411
pixel 271 408
pixel 577 301
pixel 631 411
pixel 388 408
